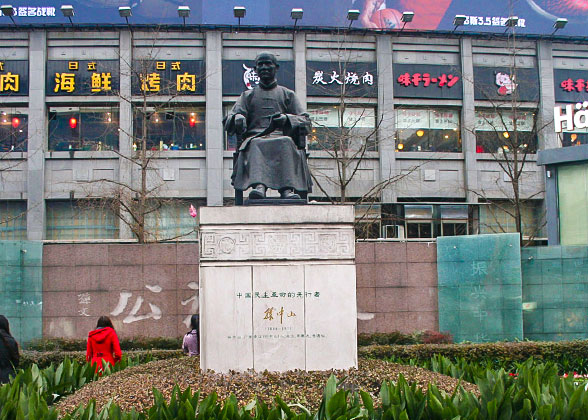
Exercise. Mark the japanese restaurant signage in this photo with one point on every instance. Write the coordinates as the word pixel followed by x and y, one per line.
pixel 570 85
pixel 168 77
pixel 14 78
pixel 240 75
pixel 82 77
pixel 326 78
pixel 504 83
pixel 427 81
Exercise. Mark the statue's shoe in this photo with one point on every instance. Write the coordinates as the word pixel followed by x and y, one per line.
pixel 257 193
pixel 289 194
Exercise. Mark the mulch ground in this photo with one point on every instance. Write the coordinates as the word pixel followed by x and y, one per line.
pixel 132 387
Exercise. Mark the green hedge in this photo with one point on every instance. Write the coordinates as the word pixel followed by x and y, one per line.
pixel 561 352
pixel 44 359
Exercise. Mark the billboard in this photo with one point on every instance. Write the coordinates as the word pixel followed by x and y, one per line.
pixel 535 16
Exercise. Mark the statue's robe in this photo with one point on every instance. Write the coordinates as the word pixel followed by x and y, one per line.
pixel 274 157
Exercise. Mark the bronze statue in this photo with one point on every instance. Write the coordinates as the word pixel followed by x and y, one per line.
pixel 271 128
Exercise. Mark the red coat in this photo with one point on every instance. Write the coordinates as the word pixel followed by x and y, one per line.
pixel 103 344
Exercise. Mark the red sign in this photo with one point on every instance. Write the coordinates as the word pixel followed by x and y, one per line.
pixel 415 79
pixel 578 85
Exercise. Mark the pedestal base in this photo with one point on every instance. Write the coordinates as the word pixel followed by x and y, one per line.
pixel 278 295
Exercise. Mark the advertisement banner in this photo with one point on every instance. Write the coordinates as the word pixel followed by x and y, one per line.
pixel 326 78
pixel 504 84
pixel 240 75
pixel 570 85
pixel 168 77
pixel 82 77
pixel 535 16
pixel 14 78
pixel 427 81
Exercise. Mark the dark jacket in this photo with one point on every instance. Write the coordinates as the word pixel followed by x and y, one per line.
pixel 103 344
pixel 9 357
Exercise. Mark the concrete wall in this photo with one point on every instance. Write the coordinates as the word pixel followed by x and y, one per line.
pixel 147 289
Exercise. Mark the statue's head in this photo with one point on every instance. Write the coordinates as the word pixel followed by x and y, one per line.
pixel 266 66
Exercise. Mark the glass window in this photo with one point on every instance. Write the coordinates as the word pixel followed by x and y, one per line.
pixel 81 219
pixel 427 130
pixel 333 129
pixel 83 129
pixel 496 131
pixel 13 131
pixel 419 220
pixel 13 220
pixel 572 189
pixel 230 141
pixel 171 221
pixel 171 129
pixel 454 219
pixel 497 217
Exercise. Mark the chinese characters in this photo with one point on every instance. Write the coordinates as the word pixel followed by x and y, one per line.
pixel 349 78
pixel 75 77
pixel 425 80
pixel 170 77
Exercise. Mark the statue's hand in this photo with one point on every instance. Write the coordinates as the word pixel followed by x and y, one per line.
pixel 280 121
pixel 240 124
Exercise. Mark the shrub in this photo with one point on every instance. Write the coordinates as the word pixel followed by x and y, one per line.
pixel 44 359
pixel 79 344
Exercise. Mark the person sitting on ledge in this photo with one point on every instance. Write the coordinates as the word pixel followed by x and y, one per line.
pixel 271 126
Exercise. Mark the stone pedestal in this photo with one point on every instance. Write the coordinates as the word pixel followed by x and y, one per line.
pixel 277 288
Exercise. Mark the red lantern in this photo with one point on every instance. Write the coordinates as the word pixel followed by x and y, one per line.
pixel 15 122
pixel 192 121
pixel 73 122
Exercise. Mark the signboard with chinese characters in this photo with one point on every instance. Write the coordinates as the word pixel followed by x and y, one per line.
pixel 534 16
pixel 82 77
pixel 168 77
pixel 427 81
pixel 412 118
pixel 504 83
pixel 240 75
pixel 570 85
pixel 14 78
pixel 332 78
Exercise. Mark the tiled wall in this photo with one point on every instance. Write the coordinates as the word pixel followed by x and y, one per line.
pixel 147 290
pixel 396 286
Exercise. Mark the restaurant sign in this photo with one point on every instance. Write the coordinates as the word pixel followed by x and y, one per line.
pixel 82 77
pixel 14 78
pixel 168 77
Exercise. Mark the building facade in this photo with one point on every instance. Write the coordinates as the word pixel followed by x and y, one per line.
pixel 425 122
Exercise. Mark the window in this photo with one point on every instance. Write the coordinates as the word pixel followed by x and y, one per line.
pixel 171 221
pixel 83 129
pixel 230 141
pixel 81 219
pixel 419 220
pixel 454 219
pixel 13 220
pixel 496 131
pixel 13 131
pixel 350 131
pixel 427 130
pixel 171 129
pixel 495 217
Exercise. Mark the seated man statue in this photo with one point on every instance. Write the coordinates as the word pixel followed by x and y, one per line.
pixel 271 128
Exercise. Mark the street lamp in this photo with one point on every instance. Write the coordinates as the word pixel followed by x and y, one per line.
pixel 8 10
pixel 407 17
pixel 560 23
pixel 125 11
pixel 184 12
pixel 239 12
pixel 352 15
pixel 458 20
pixel 296 14
pixel 68 11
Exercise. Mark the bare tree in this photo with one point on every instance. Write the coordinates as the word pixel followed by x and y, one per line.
pixel 137 203
pixel 508 130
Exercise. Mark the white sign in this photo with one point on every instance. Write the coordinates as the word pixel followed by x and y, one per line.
pixel 353 118
pixel 503 121
pixel 575 117
pixel 427 119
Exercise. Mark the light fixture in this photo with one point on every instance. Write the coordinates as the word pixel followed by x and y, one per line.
pixel 458 20
pixel 73 122
pixel 125 11
pixel 506 135
pixel 8 10
pixel 239 12
pixel 352 15
pixel 400 146
pixel 559 23
pixel 420 133
pixel 407 17
pixel 15 122
pixel 68 11
pixel 184 12
pixel 296 14
pixel 511 21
